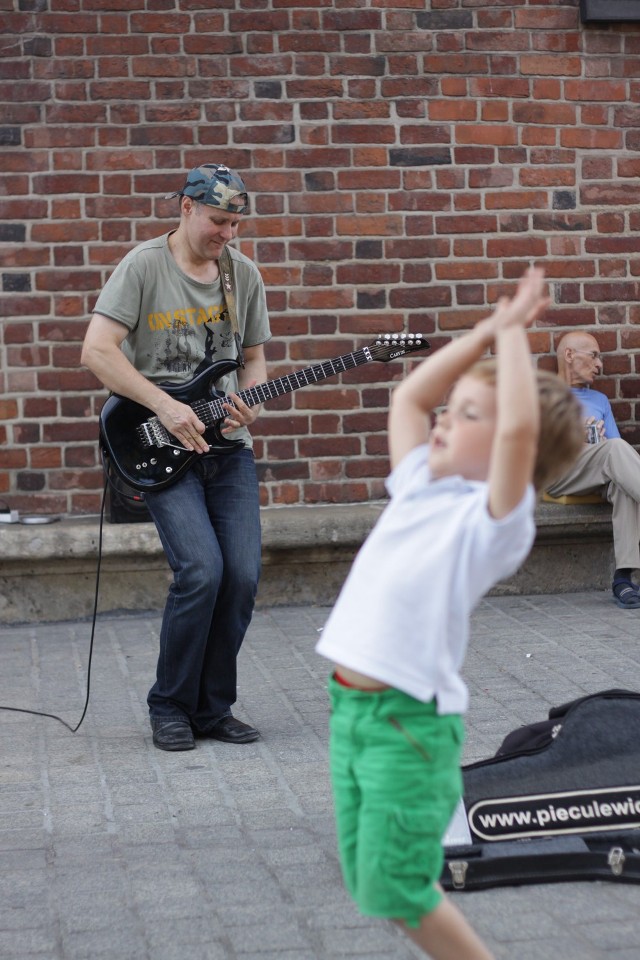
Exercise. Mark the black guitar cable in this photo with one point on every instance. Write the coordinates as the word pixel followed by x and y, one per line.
pixel 53 716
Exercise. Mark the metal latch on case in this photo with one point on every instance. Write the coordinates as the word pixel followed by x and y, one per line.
pixel 458 870
pixel 616 860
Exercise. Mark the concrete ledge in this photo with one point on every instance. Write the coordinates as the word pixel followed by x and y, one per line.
pixel 48 572
pixel 573 551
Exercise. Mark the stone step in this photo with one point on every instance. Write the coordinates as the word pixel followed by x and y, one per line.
pixel 48 571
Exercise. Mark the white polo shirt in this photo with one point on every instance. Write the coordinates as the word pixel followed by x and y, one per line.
pixel 402 616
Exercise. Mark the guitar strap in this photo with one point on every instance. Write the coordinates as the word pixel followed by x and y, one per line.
pixel 228 287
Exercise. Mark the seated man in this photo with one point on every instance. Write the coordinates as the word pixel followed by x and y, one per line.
pixel 608 464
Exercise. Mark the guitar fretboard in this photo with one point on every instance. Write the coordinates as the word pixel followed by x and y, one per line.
pixel 152 432
pixel 209 411
pixel 388 346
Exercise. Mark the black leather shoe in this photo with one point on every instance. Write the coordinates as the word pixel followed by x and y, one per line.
pixel 172 734
pixel 230 730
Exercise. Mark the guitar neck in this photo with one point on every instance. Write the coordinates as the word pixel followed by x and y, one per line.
pixel 293 381
pixel 388 346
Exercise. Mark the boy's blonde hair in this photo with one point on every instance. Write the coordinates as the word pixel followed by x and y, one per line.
pixel 562 434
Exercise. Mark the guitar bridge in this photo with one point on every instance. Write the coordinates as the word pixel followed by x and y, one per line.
pixel 153 434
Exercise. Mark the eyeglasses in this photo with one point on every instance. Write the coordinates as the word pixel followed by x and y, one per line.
pixel 594 354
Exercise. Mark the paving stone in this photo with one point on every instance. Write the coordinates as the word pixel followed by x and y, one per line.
pixel 113 850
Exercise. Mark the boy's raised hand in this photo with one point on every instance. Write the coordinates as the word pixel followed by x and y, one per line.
pixel 529 302
pixel 522 310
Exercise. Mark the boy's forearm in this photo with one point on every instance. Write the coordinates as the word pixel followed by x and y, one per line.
pixel 517 395
pixel 515 440
pixel 427 385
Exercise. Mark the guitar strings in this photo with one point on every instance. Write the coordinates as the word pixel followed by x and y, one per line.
pixel 54 716
pixel 210 411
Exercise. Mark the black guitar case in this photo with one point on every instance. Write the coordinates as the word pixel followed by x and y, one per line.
pixel 560 800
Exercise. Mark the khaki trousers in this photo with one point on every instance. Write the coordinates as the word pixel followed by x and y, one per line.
pixel 612 469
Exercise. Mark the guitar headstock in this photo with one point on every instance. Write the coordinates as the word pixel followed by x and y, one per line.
pixel 390 346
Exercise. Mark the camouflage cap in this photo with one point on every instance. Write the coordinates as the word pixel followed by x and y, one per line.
pixel 216 186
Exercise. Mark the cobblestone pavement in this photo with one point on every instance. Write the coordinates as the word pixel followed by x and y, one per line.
pixel 113 849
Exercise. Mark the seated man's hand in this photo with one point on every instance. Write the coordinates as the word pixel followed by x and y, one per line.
pixel 599 425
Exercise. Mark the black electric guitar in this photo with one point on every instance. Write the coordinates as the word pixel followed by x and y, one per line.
pixel 148 457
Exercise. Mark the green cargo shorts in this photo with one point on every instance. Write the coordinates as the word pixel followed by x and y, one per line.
pixel 395 772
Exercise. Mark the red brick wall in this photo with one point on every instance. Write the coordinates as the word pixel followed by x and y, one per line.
pixel 406 158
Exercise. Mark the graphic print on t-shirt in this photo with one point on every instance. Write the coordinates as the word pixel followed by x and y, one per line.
pixel 215 332
pixel 178 343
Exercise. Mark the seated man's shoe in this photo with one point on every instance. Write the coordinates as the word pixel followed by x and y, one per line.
pixel 230 730
pixel 626 594
pixel 172 734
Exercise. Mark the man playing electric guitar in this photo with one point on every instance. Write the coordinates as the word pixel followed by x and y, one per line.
pixel 163 316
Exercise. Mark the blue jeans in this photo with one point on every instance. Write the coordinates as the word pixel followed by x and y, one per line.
pixel 209 525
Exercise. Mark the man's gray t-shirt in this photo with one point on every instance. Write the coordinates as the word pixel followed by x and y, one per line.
pixel 178 326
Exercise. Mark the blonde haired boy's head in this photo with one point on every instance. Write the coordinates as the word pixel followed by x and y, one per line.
pixel 561 423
